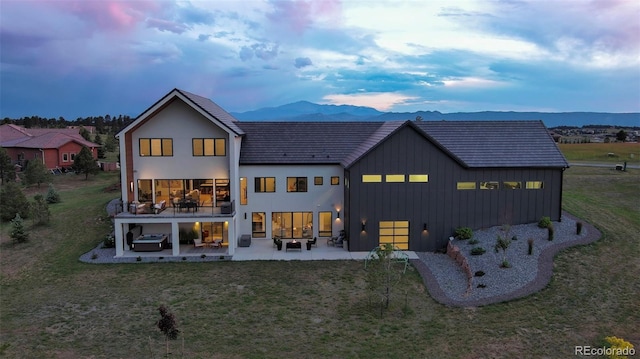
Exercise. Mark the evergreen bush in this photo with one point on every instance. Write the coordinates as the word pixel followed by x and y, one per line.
pixel 544 222
pixel 18 233
pixel 463 233
pixel 52 195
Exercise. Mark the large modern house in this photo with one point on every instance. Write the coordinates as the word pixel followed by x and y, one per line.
pixel 190 170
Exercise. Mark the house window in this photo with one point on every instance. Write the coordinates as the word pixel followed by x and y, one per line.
pixel 296 184
pixel 324 224
pixel 73 157
pixel 215 231
pixel 223 192
pixel 209 147
pixel 243 190
pixel 65 157
pixel 335 180
pixel 265 184
pixel 258 225
pixel 534 185
pixel 394 178
pixel 466 185
pixel 511 185
pixel 145 191
pixel 292 224
pixel 395 233
pixel 489 185
pixel 156 147
pixel 371 178
pixel 317 181
pixel 418 178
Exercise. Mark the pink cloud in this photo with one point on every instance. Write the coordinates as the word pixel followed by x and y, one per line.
pixel 301 14
pixel 109 15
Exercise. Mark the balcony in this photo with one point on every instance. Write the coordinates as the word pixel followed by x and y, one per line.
pixel 181 210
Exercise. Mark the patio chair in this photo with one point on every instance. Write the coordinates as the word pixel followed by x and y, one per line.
pixel 197 242
pixel 313 242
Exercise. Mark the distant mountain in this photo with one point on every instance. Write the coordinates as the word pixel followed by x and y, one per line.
pixel 291 111
pixel 308 111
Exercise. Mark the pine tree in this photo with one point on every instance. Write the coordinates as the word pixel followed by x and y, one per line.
pixel 13 201
pixel 85 163
pixel 18 234
pixel 52 195
pixel 7 171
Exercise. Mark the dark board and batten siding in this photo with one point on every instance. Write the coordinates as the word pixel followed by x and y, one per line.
pixel 438 203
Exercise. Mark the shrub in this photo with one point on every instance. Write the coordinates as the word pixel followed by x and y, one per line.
pixel 476 251
pixel 551 231
pixel 39 210
pixel 482 285
pixel 578 228
pixel 505 264
pixel 544 222
pixel 109 241
pixel 463 233
pixel 530 244
pixel 620 347
pixel 474 241
pixel 138 259
pixel 479 273
pixel 52 195
pixel 94 255
pixel 514 238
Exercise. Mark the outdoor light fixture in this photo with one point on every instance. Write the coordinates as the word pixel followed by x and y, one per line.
pixel 364 226
pixel 338 217
pixel 424 226
pixel 131 186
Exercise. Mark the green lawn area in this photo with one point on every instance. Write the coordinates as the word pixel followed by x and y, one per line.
pixel 53 306
pixel 616 152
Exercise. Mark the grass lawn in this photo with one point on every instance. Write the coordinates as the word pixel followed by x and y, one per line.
pixel 53 306
pixel 601 152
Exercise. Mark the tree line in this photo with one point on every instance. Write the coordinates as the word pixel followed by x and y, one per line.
pixel 103 124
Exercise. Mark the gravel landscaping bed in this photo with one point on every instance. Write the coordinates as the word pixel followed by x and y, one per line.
pixel 447 282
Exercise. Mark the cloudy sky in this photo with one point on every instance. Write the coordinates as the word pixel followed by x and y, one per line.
pixel 78 58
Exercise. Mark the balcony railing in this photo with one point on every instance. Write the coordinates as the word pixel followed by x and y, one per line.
pixel 182 209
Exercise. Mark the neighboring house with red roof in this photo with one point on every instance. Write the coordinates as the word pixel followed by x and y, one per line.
pixel 56 147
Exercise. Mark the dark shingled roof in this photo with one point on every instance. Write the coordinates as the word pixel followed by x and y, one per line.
pixel 472 143
pixel 302 142
pixel 497 143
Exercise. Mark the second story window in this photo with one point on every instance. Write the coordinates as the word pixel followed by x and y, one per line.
pixel 156 147
pixel 296 184
pixel 265 184
pixel 209 147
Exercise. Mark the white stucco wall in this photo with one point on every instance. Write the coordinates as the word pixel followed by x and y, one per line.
pixel 181 123
pixel 322 198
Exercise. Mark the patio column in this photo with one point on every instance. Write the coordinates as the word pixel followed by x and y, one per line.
pixel 175 239
pixel 119 234
pixel 233 237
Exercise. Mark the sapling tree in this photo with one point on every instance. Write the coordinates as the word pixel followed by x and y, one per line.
pixel 167 325
pixel 384 272
pixel 502 243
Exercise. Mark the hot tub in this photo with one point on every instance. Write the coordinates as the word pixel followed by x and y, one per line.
pixel 151 242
